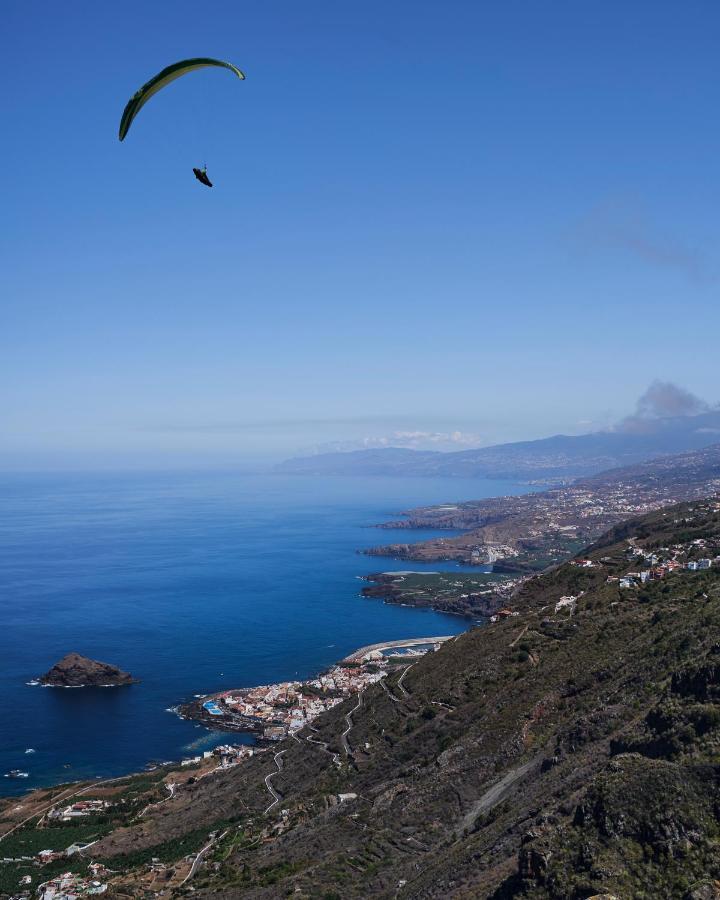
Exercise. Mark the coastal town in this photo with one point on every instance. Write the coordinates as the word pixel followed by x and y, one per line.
pixel 275 711
pixel 509 539
pixel 271 712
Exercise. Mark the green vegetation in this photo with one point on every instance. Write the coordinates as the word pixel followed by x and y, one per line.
pixel 538 556
pixel 10 874
pixel 30 840
pixel 462 593
pixel 135 785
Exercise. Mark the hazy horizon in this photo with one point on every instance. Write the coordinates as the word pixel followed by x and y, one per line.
pixel 662 401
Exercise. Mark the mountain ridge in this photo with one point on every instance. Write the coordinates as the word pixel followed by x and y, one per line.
pixel 556 458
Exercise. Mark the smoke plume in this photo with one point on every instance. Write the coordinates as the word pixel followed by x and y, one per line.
pixel 662 400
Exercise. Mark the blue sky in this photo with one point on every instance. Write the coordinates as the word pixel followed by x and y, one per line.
pixel 497 219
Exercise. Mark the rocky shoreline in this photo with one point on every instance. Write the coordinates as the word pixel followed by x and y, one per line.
pixel 196 712
pixel 470 596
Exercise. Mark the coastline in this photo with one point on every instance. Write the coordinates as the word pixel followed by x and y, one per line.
pixel 273 712
pixel 346 678
pixel 146 616
pixel 472 596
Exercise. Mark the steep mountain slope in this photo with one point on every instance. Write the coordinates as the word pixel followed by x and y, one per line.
pixel 551 459
pixel 569 750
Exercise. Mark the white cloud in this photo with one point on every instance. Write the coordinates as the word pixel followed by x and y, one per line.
pixel 409 440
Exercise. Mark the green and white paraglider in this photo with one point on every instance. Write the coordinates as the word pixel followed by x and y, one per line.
pixel 161 80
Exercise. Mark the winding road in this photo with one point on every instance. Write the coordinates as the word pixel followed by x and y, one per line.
pixel 387 691
pixel 171 788
pixel 323 745
pixel 349 720
pixel 273 793
pixel 402 678
pixel 199 858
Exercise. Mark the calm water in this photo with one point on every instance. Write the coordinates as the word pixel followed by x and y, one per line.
pixel 193 583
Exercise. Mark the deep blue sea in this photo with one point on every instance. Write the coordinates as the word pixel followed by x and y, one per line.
pixel 193 583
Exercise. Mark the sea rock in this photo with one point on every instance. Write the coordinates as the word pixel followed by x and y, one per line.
pixel 74 670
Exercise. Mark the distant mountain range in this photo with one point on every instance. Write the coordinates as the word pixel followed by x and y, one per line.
pixel 552 459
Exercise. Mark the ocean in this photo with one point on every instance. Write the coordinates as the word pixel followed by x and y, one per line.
pixel 193 582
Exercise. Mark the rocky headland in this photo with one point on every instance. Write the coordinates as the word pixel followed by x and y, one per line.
pixel 471 595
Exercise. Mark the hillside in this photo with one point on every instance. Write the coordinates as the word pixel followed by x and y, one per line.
pixel 566 751
pixel 552 459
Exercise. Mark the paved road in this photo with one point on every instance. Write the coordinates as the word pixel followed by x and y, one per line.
pixel 199 858
pixel 274 794
pixel 323 745
pixel 349 720
pixel 171 788
pixel 402 678
pixel 387 691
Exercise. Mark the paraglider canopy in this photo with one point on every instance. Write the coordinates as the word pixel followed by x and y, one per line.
pixel 176 70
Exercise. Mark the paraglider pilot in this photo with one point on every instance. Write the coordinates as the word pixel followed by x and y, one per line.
pixel 160 81
pixel 201 175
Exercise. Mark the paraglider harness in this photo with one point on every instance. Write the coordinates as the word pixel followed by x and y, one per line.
pixel 201 175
